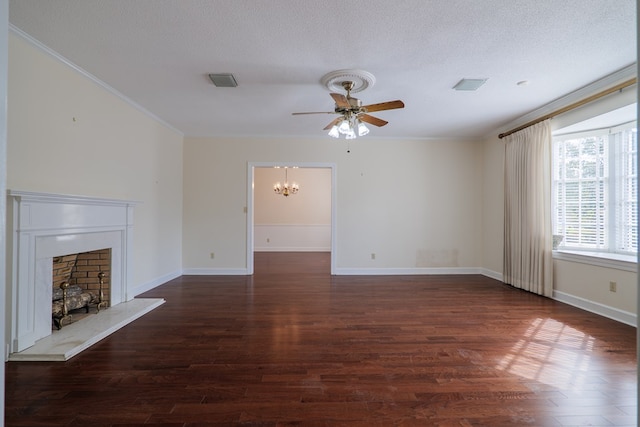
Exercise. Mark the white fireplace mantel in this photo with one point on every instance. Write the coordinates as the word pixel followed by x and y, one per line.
pixel 45 225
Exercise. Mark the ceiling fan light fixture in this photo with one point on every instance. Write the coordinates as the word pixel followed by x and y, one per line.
pixel 344 127
pixel 351 113
pixel 362 129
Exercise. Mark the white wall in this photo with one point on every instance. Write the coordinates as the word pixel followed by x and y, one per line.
pixel 299 222
pixel 67 134
pixel 416 204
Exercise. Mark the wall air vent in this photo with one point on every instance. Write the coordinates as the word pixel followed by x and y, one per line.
pixel 223 80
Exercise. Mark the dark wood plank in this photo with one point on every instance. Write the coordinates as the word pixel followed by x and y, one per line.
pixel 293 345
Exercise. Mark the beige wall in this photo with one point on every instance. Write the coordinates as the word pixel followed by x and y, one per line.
pixel 416 204
pixel 493 205
pixel 311 206
pixel 591 283
pixel 68 135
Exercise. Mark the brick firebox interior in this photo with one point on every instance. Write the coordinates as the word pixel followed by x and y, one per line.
pixel 82 269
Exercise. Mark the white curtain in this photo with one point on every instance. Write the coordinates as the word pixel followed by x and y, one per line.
pixel 527 210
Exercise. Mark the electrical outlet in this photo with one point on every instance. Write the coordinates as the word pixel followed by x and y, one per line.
pixel 613 286
pixel 213 255
pixel 373 256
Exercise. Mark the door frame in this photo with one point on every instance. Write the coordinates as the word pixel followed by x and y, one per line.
pixel 250 205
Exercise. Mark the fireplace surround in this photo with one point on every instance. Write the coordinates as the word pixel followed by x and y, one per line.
pixel 44 226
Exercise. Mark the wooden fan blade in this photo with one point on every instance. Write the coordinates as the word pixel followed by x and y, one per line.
pixel 333 123
pixel 372 120
pixel 341 100
pixel 314 112
pixel 390 105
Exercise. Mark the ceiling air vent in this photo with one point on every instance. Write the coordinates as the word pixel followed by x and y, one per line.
pixel 223 80
pixel 469 84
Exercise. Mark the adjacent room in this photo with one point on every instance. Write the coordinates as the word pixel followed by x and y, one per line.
pixel 319 213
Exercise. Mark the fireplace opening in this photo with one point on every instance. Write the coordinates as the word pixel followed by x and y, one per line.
pixel 81 286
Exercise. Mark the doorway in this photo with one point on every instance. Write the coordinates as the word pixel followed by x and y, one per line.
pixel 251 230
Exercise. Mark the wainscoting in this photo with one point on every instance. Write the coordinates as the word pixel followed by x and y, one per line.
pixel 292 237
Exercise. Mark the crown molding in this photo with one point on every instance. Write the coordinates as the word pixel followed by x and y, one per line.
pixel 602 84
pixel 55 55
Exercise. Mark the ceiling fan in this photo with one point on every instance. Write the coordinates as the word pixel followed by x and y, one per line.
pixel 353 114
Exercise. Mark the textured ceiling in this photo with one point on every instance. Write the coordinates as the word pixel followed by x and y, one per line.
pixel 158 54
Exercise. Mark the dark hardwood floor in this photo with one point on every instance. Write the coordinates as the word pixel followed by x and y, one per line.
pixel 294 346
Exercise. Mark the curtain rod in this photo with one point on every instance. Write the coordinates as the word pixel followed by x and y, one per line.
pixel 573 106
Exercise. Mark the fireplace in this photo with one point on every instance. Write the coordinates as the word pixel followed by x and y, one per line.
pixel 47 226
pixel 80 284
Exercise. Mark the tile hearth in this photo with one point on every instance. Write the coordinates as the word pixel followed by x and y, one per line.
pixel 76 337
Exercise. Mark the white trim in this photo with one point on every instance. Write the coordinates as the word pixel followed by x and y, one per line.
pixel 5 318
pixel 33 196
pixel 292 225
pixel 249 213
pixel 323 137
pixel 599 131
pixel 55 55
pixel 575 96
pixel 291 249
pixel 341 271
pixel 406 271
pixel 216 272
pixel 492 274
pixel 155 283
pixel 597 308
pixel 334 206
pixel 45 225
pixel 607 260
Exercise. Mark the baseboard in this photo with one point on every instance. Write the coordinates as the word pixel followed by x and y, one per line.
pixel 155 283
pixel 492 274
pixel 291 249
pixel 597 308
pixel 215 272
pixel 84 73
pixel 621 316
pixel 405 271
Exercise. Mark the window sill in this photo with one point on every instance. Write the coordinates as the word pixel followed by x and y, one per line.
pixel 600 259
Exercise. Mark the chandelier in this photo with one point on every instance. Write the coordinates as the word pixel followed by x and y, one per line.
pixel 286 188
pixel 349 126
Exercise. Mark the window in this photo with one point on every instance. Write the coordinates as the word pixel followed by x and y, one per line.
pixel 595 189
